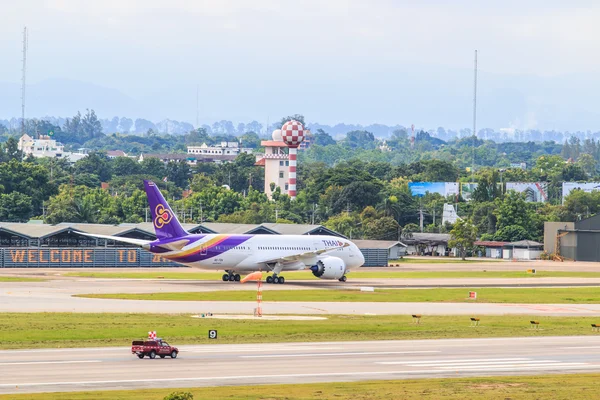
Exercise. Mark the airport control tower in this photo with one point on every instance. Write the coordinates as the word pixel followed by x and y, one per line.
pixel 292 133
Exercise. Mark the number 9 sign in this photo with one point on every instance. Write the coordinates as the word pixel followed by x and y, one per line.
pixel 212 334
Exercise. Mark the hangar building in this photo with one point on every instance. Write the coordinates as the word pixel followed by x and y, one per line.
pixel 574 240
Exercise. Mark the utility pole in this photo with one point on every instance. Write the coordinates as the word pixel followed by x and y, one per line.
pixel 276 214
pixel 23 80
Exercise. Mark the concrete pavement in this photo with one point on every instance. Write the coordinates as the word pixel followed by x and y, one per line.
pixel 57 296
pixel 25 371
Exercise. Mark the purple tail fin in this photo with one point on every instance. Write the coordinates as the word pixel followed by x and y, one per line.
pixel 166 224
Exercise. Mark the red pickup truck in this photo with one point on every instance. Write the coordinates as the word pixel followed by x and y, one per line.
pixel 153 348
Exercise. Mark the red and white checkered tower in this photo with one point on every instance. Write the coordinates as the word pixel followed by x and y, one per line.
pixel 292 133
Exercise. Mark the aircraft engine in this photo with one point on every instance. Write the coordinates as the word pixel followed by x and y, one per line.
pixel 329 268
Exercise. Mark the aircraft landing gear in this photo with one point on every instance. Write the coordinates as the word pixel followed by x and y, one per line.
pixel 230 276
pixel 343 279
pixel 276 279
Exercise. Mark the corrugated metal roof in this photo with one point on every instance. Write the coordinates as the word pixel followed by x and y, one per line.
pixel 292 229
pixel 43 230
pixel 525 243
pixel 377 244
pixel 33 230
pixel 418 237
pixel 490 243
pixel 220 227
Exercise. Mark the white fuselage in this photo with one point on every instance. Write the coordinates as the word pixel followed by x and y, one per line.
pixel 248 253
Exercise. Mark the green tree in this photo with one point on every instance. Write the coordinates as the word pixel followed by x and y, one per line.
pixel 250 139
pixel 345 224
pixel 512 233
pixel 322 138
pixel 10 150
pixel 154 167
pixel 90 125
pixel 29 179
pixel 587 163
pixel 94 163
pixel 487 186
pixel 179 173
pixel 382 228
pixel 15 207
pixel 122 166
pixel 513 210
pixel 463 237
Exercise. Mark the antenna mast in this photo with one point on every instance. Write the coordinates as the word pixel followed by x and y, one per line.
pixel 474 113
pixel 197 107
pixel 23 80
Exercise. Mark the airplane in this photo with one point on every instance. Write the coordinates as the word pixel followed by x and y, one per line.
pixel 327 257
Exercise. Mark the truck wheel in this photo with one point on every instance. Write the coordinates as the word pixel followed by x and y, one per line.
pixel 152 354
pixel 141 355
pixel 173 354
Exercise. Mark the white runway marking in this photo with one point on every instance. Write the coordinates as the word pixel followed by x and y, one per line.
pixel 483 363
pixel 580 347
pixel 492 364
pixel 461 360
pixel 50 362
pixel 255 377
pixel 341 354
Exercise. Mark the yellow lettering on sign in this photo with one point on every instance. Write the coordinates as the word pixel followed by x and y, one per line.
pixel 88 256
pixel 77 256
pixel 54 256
pixel 31 254
pixel 42 260
pixel 17 256
pixel 156 258
pixel 121 255
pixel 132 256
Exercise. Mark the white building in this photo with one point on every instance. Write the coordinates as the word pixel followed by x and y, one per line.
pixel 276 163
pixel 45 146
pixel 226 148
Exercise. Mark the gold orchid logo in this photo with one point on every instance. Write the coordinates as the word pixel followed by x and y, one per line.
pixel 163 216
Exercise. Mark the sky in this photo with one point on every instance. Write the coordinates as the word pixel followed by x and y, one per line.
pixel 377 61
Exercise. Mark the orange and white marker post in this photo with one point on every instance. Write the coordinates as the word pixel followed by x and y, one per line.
pixel 259 298
pixel 256 276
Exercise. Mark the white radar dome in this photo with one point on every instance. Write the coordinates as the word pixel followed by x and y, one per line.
pixel 277 135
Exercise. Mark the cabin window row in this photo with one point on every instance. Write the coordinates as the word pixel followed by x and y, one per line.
pixel 283 248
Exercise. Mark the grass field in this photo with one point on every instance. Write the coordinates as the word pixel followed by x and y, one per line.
pixel 555 387
pixel 576 295
pixel 59 330
pixel 19 279
pixel 358 274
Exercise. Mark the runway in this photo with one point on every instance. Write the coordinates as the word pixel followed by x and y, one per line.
pixel 56 296
pixel 213 365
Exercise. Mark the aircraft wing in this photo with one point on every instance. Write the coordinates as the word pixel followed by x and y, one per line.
pixel 300 256
pixel 136 242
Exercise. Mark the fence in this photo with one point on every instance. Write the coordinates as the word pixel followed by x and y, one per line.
pixel 65 257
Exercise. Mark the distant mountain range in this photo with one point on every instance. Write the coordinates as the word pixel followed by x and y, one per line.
pixel 430 98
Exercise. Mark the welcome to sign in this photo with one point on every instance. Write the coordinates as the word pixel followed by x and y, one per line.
pixel 78 257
